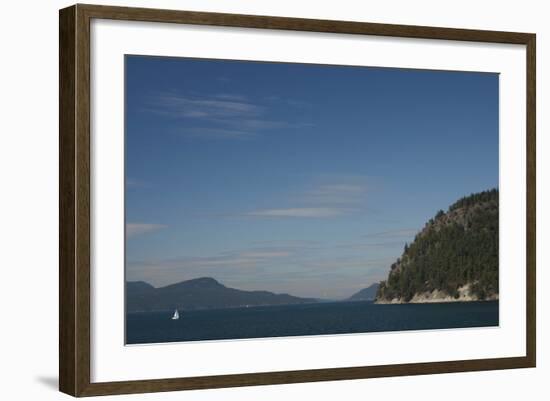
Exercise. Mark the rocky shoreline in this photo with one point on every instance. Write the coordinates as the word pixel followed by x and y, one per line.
pixel 437 296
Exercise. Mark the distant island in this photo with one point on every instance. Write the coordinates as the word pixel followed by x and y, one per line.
pixel 366 294
pixel 200 293
pixel 453 258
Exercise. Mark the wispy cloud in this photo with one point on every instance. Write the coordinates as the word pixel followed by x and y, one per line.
pixel 372 246
pixel 334 198
pixel 219 133
pixel 245 258
pixel 397 233
pixel 289 243
pixel 201 107
pixel 264 254
pixel 133 229
pixel 220 265
pixel 337 193
pixel 289 101
pixel 231 96
pixel 133 183
pixel 301 212
pixel 226 116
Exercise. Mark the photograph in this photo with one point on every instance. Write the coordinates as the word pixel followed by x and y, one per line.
pixel 271 199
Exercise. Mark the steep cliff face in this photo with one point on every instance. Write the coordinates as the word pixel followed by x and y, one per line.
pixel 453 258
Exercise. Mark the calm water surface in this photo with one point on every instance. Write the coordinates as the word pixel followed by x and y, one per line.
pixel 299 320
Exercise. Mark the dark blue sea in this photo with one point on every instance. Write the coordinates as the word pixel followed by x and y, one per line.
pixel 301 320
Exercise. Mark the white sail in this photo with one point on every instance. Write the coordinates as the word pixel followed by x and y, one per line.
pixel 176 315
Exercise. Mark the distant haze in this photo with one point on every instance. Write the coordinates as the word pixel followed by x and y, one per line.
pixel 293 178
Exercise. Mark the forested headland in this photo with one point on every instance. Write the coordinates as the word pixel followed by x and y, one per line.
pixel 453 258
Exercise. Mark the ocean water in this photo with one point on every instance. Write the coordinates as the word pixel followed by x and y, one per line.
pixel 301 320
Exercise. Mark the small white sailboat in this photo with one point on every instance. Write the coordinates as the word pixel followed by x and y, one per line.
pixel 176 315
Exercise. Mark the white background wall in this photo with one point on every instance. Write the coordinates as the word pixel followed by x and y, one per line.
pixel 28 200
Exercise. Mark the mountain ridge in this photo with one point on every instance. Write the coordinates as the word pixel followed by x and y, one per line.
pixel 366 294
pixel 200 293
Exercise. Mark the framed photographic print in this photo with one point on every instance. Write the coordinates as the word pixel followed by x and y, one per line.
pixel 251 200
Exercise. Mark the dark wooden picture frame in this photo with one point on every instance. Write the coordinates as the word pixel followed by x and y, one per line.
pixel 74 203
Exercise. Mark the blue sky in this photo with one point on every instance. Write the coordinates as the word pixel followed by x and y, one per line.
pixel 306 179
